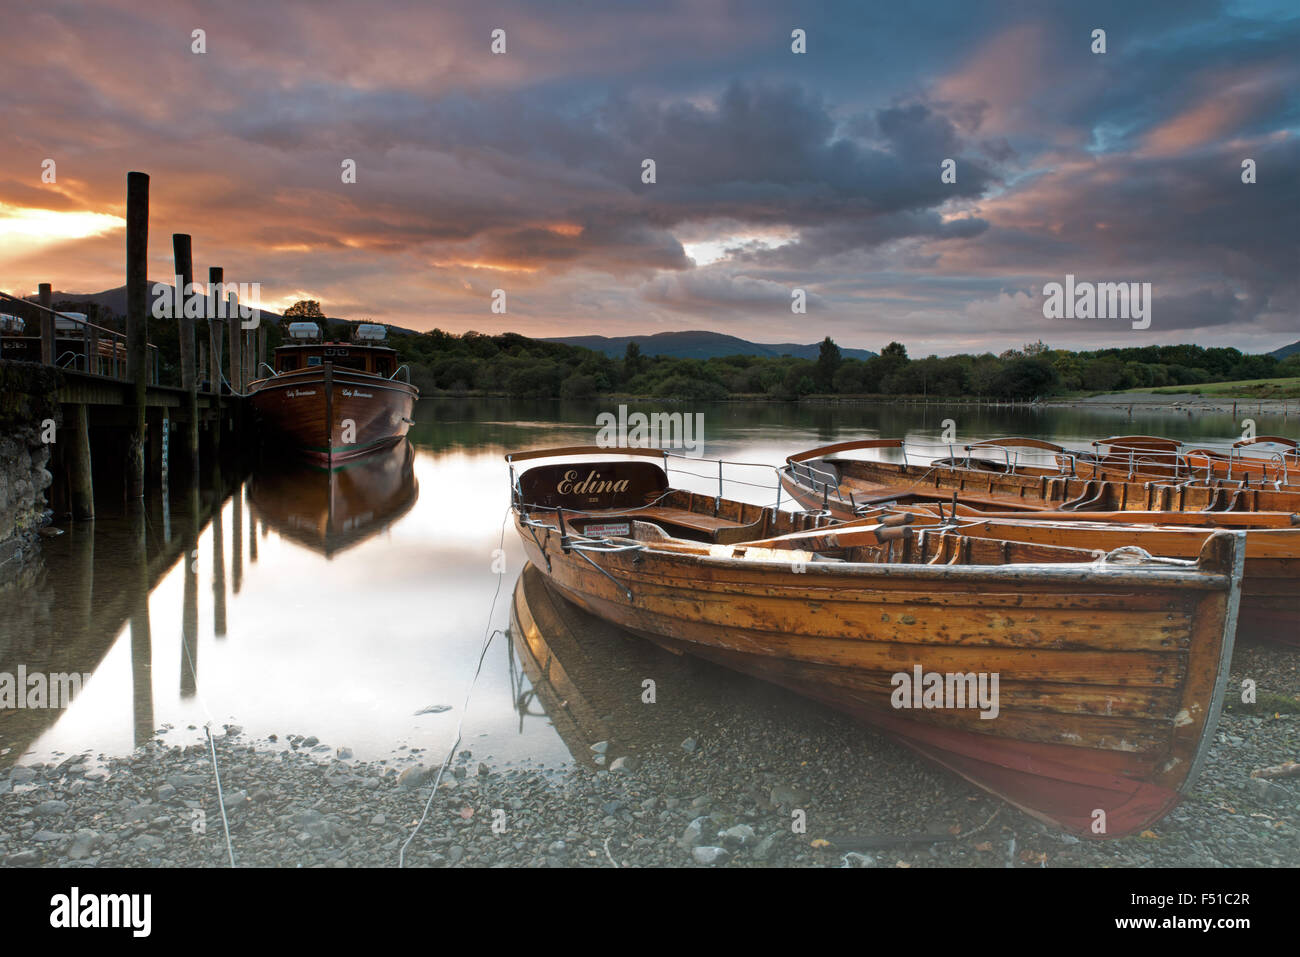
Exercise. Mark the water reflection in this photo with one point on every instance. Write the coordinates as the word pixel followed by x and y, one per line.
pixel 331 511
pixel 340 605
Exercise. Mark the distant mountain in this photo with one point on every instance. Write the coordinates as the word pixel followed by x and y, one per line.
pixel 1285 351
pixel 114 302
pixel 700 345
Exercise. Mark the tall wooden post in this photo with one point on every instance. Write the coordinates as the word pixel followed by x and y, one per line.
pixel 82 482
pixel 92 347
pixel 236 370
pixel 215 332
pixel 47 324
pixel 137 325
pixel 189 373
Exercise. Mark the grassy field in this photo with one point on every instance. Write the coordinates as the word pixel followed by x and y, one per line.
pixel 1245 388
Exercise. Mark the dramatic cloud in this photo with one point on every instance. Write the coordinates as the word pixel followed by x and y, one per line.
pixel 773 170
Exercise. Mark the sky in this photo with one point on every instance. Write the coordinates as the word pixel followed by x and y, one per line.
pixel 774 170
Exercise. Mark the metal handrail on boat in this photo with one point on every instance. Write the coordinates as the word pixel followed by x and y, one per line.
pixel 399 369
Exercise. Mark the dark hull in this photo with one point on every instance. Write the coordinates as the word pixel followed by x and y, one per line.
pixel 334 421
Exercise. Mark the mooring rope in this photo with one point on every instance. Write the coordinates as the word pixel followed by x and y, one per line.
pixel 212 748
pixel 451 753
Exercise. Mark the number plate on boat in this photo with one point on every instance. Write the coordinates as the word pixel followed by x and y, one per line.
pixel 607 530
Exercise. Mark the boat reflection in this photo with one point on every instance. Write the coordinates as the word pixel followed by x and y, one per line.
pixel 588 677
pixel 330 511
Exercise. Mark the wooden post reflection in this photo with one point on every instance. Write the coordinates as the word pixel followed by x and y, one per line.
pixel 237 543
pixel 190 609
pixel 252 537
pixel 141 639
pixel 218 565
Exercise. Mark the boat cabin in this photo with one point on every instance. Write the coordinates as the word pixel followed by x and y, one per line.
pixel 364 353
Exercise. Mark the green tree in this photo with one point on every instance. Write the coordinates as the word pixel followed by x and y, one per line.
pixel 633 361
pixel 828 363
pixel 304 309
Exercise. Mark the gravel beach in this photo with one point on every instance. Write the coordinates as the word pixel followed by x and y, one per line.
pixel 722 795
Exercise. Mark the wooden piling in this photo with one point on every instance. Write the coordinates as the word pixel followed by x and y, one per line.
pixel 92 348
pixel 215 333
pixel 47 324
pixel 137 325
pixel 236 344
pixel 181 250
pixel 80 477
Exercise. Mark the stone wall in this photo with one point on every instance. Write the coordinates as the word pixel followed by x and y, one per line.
pixel 28 396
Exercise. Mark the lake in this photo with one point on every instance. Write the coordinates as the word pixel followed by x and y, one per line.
pixel 355 611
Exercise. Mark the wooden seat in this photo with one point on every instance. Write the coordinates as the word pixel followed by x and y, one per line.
pixel 709 524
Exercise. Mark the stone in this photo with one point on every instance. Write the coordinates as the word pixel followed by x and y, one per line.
pixel 741 835
pixel 710 855
pixel 695 832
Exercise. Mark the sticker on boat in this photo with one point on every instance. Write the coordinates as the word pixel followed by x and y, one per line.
pixel 608 530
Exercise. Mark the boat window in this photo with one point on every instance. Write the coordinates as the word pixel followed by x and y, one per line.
pixel 313 360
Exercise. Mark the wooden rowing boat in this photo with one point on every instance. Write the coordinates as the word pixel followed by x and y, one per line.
pixel 1270 608
pixel 1145 457
pixel 1110 674
pixel 335 401
pixel 828 478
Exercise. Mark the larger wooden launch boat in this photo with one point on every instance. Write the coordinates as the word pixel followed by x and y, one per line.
pixel 334 401
pixel 1029 505
pixel 1110 673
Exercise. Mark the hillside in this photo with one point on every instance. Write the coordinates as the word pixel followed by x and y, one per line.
pixel 1286 351
pixel 699 344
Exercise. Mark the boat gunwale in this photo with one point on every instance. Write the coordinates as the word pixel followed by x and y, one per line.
pixel 1186 573
pixel 340 377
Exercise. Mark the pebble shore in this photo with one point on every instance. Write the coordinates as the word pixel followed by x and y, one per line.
pixel 727 795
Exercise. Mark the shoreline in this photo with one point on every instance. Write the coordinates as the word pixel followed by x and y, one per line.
pixel 1137 402
pixel 722 797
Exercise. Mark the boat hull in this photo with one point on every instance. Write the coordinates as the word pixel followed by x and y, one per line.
pixel 1111 679
pixel 1270 601
pixel 332 416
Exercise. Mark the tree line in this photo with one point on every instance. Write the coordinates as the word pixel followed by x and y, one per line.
pixel 514 365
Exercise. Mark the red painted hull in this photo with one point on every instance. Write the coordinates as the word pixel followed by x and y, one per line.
pixel 354 415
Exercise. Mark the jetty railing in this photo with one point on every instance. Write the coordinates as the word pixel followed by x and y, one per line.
pixel 102 350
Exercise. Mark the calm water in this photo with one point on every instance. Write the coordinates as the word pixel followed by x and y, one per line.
pixel 289 604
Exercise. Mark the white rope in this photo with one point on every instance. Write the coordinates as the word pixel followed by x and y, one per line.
pixel 212 748
pixel 451 753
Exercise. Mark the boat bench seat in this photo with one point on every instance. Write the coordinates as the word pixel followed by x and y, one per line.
pixel 677 518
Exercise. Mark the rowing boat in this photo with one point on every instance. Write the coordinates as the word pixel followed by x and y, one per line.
pixel 829 478
pixel 983 507
pixel 1144 457
pixel 1107 676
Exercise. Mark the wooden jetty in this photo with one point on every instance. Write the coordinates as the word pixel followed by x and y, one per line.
pixel 117 416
